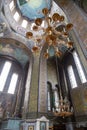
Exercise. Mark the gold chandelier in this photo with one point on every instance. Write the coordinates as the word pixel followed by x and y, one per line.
pixel 49 34
pixel 64 109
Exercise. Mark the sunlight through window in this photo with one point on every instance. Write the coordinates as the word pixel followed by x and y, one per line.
pixel 16 16
pixel 72 77
pixel 4 74
pixel 79 67
pixel 11 5
pixel 24 23
pixel 13 83
pixel 49 105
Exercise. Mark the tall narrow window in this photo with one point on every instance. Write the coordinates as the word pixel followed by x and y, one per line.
pixel 11 5
pixel 79 68
pixel 16 16
pixel 24 23
pixel 49 105
pixel 49 96
pixel 13 83
pixel 56 100
pixel 4 74
pixel 72 77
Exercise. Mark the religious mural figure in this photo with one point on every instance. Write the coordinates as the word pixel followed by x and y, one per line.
pixel 43 126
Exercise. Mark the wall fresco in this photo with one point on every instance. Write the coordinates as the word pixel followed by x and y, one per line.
pixel 14 51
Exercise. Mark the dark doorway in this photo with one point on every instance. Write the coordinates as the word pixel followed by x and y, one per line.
pixel 81 128
pixel 59 127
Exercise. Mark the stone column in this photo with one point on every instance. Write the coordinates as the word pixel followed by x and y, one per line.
pixel 33 100
pixel 27 89
pixel 42 100
pixel 38 125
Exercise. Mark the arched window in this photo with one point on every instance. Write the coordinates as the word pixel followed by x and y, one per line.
pixel 49 96
pixel 56 99
pixel 11 5
pixel 10 75
pixel 74 71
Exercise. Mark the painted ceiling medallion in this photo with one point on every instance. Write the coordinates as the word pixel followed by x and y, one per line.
pixel 32 9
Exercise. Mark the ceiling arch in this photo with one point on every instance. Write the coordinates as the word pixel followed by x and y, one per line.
pixel 14 49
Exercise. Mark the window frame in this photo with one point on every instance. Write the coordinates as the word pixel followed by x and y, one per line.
pixel 16 67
